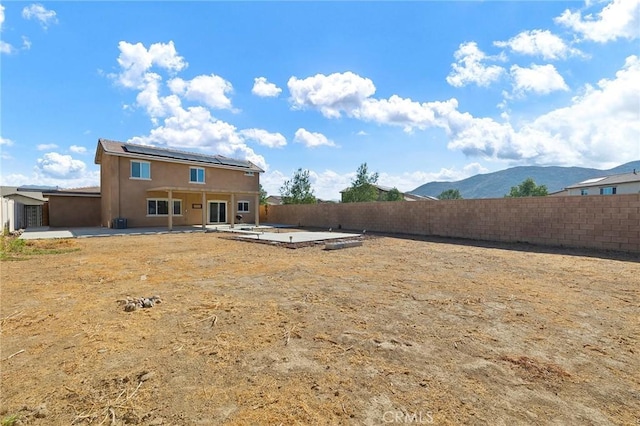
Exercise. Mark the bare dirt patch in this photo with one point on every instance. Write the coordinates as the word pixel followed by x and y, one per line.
pixel 394 331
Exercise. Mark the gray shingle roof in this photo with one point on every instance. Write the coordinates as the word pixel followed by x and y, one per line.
pixel 608 180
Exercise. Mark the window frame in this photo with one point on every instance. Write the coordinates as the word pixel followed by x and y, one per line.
pixel 605 190
pixel 584 191
pixel 197 169
pixel 242 210
pixel 141 177
pixel 176 202
pixel 249 173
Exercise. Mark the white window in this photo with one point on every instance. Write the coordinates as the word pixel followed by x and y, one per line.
pixel 249 173
pixel 608 190
pixel 243 207
pixel 160 207
pixel 584 192
pixel 140 170
pixel 196 175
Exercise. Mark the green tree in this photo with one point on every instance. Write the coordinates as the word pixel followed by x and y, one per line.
pixel 393 195
pixel 450 194
pixel 362 188
pixel 263 195
pixel 298 189
pixel 528 188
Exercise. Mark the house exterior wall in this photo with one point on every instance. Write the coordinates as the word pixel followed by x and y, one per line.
pixel 610 223
pixel 74 211
pixel 126 197
pixel 12 214
pixel 7 214
pixel 621 188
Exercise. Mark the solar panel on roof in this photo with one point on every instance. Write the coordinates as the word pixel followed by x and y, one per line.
pixel 189 156
pixel 231 162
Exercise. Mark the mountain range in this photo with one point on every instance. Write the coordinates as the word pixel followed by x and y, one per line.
pixel 497 184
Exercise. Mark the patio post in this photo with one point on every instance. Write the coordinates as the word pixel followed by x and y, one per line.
pixel 232 210
pixel 257 209
pixel 204 211
pixel 170 210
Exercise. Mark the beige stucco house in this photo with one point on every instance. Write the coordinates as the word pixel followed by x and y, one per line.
pixel 148 186
pixel 625 183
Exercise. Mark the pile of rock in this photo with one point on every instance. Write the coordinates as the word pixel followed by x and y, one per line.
pixel 131 304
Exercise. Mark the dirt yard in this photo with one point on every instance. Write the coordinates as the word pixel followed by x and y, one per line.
pixel 396 331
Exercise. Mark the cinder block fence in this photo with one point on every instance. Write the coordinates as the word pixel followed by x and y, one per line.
pixel 600 222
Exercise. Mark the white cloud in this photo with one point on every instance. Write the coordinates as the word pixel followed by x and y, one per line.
pixel 469 67
pixel 332 94
pixel 5 142
pixel 6 48
pixel 135 60
pixel 208 89
pixel 60 166
pixel 271 181
pixel 539 43
pixel 349 94
pixel 262 88
pixel 600 128
pixel 618 19
pixel 362 133
pixel 541 79
pixel 174 125
pixel 271 140
pixel 46 146
pixel 26 43
pixel 328 184
pixel 195 127
pixel 40 13
pixel 312 139
pixel 150 99
pixel 403 112
pixel 1 16
pixel 78 149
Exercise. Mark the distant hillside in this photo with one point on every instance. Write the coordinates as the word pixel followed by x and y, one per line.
pixel 497 184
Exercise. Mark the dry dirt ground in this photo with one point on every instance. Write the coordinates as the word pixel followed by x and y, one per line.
pixel 396 331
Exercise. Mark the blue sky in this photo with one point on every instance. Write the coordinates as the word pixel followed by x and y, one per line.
pixel 420 91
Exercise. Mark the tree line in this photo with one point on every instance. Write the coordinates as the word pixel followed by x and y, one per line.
pixel 298 190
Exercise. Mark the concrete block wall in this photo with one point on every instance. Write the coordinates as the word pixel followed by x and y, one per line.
pixel 600 222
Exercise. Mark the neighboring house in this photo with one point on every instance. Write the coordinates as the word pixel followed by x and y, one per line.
pixel 149 186
pixel 415 197
pixel 22 207
pixel 383 190
pixel 626 183
pixel 274 200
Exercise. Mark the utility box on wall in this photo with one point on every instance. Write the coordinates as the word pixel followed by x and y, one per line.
pixel 119 223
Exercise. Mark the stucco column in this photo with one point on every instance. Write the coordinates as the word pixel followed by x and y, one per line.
pixel 204 211
pixel 232 209
pixel 170 210
pixel 257 208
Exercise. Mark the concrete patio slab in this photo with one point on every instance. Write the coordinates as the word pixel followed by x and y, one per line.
pixel 50 233
pixel 297 237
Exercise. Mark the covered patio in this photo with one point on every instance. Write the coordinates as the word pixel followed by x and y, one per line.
pixel 212 206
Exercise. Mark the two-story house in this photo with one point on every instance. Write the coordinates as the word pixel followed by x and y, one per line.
pixel 149 186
